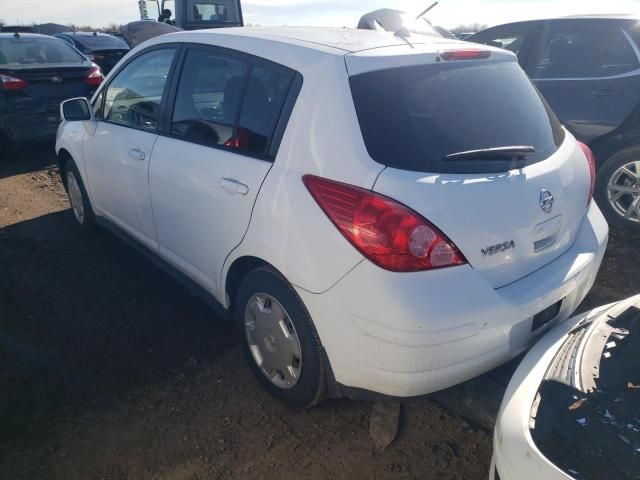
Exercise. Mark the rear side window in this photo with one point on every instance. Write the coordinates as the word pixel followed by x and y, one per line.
pixel 29 52
pixel 263 101
pixel 585 49
pixel 208 99
pixel 227 102
pixel 412 118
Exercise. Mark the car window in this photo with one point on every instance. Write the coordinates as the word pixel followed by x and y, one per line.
pixel 97 106
pixel 414 118
pixel 585 50
pixel 30 51
pixel 134 96
pixel 208 98
pixel 101 42
pixel 511 37
pixel 265 96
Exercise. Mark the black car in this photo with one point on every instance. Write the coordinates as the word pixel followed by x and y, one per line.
pixel 105 50
pixel 37 73
pixel 588 69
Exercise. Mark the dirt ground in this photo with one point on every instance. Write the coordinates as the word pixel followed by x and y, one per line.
pixel 109 369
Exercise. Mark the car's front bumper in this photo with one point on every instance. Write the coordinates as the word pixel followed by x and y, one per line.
pixel 515 454
pixel 409 334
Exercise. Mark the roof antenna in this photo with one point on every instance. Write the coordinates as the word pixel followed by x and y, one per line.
pixel 433 5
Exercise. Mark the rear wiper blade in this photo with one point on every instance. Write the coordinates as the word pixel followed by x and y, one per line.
pixel 519 152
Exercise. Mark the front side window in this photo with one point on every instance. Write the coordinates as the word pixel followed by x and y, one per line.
pixel 208 99
pixel 134 96
pixel 585 50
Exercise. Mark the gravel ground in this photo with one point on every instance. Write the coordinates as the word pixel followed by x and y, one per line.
pixel 109 369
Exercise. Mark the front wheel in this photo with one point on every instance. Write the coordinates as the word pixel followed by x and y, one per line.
pixel 279 339
pixel 80 205
pixel 618 189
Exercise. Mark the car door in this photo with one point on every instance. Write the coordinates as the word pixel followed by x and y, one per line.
pixel 118 151
pixel 588 70
pixel 519 38
pixel 206 172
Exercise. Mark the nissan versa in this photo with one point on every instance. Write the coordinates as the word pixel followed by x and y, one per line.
pixel 377 217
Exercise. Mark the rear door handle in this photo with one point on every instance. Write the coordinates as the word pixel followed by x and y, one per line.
pixel 137 154
pixel 234 186
pixel 606 92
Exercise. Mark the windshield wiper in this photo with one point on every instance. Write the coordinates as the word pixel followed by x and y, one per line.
pixel 514 153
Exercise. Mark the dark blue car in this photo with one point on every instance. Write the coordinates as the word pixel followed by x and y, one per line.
pixel 105 50
pixel 37 73
pixel 588 69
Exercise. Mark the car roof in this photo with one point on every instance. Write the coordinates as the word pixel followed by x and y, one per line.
pixel 342 40
pixel 610 16
pixel 85 34
pixel 23 35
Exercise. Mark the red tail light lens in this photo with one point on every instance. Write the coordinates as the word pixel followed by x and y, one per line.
pixel 591 160
pixel 467 54
pixel 94 77
pixel 12 83
pixel 389 234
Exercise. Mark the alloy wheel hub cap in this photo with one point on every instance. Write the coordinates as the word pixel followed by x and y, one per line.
pixel 623 191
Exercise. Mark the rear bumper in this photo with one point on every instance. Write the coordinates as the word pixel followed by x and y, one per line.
pixel 405 335
pixel 20 128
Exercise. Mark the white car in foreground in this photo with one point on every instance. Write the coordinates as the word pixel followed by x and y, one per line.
pixel 572 408
pixel 380 215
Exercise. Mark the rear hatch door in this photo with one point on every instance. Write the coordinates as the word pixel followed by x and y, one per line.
pixel 510 213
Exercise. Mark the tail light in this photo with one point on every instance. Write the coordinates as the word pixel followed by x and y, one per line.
pixel 94 77
pixel 12 83
pixel 389 234
pixel 466 54
pixel 591 160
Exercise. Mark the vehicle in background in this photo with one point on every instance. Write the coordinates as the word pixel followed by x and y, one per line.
pixel 571 409
pixel 17 29
pixel 37 73
pixel 193 14
pixel 101 48
pixel 588 69
pixel 331 191
pixel 463 35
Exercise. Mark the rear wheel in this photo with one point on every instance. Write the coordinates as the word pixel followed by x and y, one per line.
pixel 80 205
pixel 279 339
pixel 618 189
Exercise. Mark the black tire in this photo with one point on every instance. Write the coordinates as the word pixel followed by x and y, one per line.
pixel 86 223
pixel 605 175
pixel 311 386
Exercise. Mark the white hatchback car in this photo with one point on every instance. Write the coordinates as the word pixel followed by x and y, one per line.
pixel 380 215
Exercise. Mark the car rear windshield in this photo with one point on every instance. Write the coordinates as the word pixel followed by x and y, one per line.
pixel 37 52
pixel 99 42
pixel 412 118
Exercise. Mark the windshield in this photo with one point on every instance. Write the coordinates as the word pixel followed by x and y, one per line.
pixel 412 118
pixel 25 52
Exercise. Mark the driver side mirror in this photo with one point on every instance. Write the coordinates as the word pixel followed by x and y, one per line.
pixel 75 110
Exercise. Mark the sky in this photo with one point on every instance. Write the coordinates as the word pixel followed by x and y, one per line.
pixel 449 13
